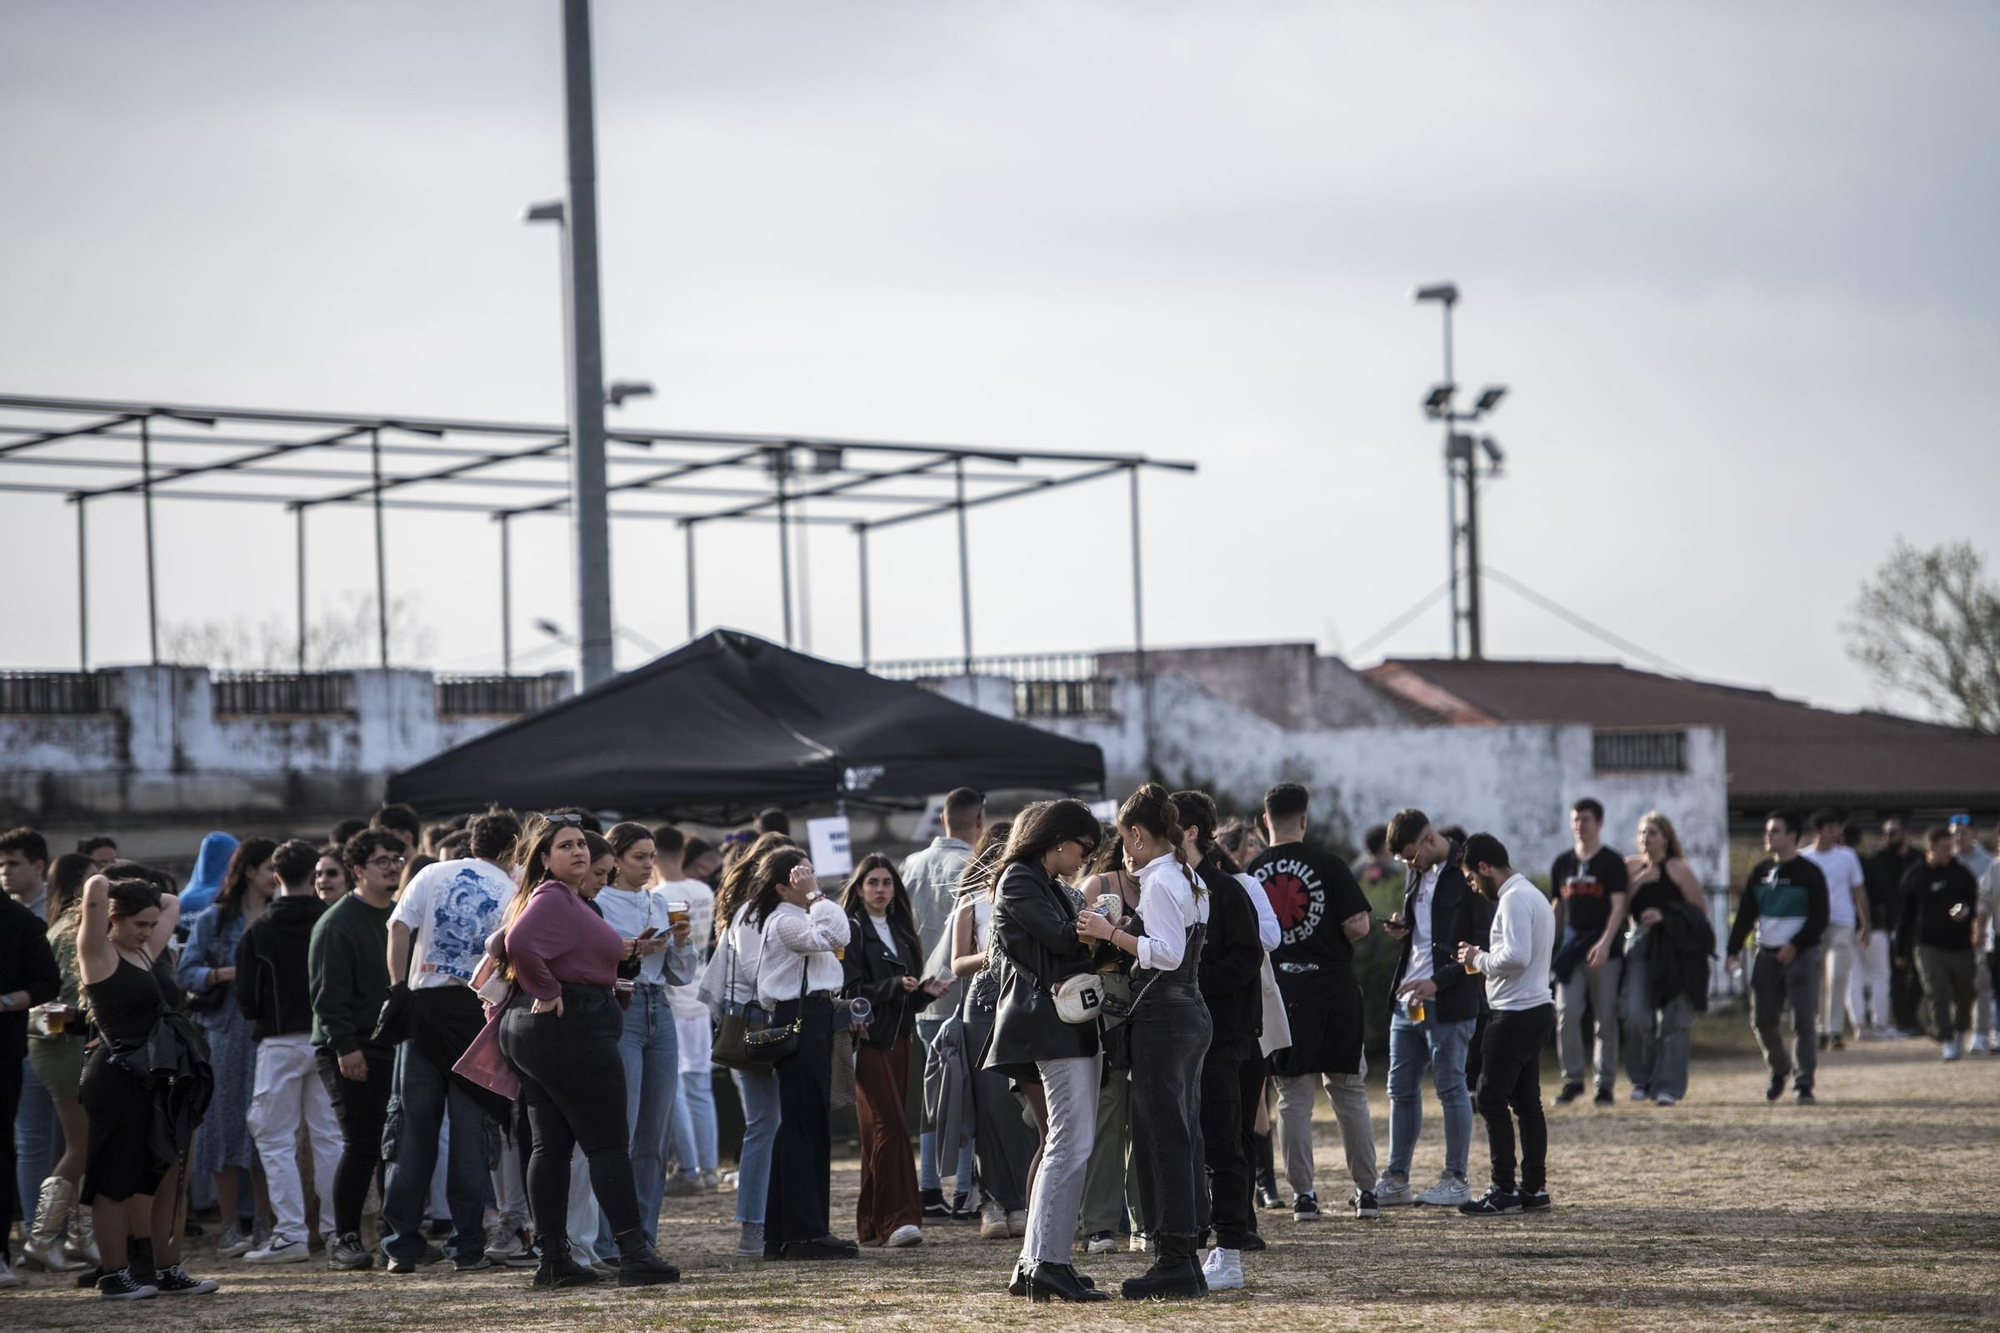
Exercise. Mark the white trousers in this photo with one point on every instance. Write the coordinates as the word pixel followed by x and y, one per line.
pixel 288 1093
pixel 1839 941
pixel 1868 984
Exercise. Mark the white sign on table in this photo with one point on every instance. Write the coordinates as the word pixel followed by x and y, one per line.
pixel 826 843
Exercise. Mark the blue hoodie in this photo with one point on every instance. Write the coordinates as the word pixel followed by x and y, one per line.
pixel 210 864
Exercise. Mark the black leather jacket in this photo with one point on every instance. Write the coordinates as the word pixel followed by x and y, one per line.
pixel 1035 940
pixel 1458 916
pixel 872 972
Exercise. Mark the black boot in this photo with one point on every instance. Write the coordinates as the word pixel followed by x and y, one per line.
pixel 1060 1282
pixel 1267 1172
pixel 1017 1285
pixel 1175 1275
pixel 559 1267
pixel 638 1266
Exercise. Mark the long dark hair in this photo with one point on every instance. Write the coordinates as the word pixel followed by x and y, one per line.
pixel 900 917
pixel 1197 811
pixel 982 868
pixel 249 854
pixel 738 874
pixel 768 876
pixel 1151 809
pixel 67 876
pixel 1042 825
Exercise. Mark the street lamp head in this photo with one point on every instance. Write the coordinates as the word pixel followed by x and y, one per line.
pixel 1491 448
pixel 620 390
pixel 550 628
pixel 1446 292
pixel 550 210
pixel 827 457
pixel 1438 401
pixel 1489 398
pixel 1459 449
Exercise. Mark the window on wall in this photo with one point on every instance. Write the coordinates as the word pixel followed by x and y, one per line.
pixel 1638 751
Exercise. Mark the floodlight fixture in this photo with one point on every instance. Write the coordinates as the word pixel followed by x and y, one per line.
pixel 1491 447
pixel 1438 400
pixel 1446 292
pixel 550 210
pixel 1489 398
pixel 620 390
pixel 827 457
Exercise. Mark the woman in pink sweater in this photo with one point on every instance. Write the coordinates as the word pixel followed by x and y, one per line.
pixel 560 1032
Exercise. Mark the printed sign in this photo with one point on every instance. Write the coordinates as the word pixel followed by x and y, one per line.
pixel 826 843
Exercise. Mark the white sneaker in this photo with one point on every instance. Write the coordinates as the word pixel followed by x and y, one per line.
pixel 903 1237
pixel 992 1221
pixel 7 1277
pixel 1223 1269
pixel 1141 1243
pixel 1952 1050
pixel 1638 1094
pixel 280 1249
pixel 1449 1192
pixel 1979 1044
pixel 235 1242
pixel 1017 1223
pixel 1391 1192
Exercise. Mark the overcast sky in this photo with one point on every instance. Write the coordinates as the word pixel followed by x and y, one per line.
pixel 1728 257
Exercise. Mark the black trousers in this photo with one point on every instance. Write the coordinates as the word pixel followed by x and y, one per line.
pixel 1003 1144
pixel 1170 1033
pixel 573 1084
pixel 1227 1205
pixel 797 1207
pixel 1510 1080
pixel 362 1108
pixel 10 1106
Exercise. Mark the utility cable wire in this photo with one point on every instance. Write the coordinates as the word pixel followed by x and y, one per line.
pixel 1422 605
pixel 1596 631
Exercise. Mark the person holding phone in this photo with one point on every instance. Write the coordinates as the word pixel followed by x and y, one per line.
pixel 799 971
pixel 882 967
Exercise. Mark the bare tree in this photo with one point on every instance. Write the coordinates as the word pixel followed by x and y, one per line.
pixel 1927 627
pixel 342 636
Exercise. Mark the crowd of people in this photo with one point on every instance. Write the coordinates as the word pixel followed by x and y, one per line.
pixel 498 1033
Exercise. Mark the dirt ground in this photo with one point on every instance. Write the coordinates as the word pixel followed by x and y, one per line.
pixel 1879 1208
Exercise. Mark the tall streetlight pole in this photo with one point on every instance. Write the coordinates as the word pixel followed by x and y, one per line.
pixel 1461 466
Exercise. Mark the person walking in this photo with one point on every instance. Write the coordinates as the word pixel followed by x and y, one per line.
pixel 1784 905
pixel 1663 884
pixel 931 878
pixel 1515 962
pixel 1321 911
pixel 1885 868
pixel 799 970
pixel 1037 948
pixel 1846 921
pixel 1942 920
pixel 1170 1032
pixel 1973 855
pixel 273 991
pixel 560 1032
pixel 1590 882
pixel 882 967
pixel 1436 1008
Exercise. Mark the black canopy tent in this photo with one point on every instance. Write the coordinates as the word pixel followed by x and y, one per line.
pixel 729 723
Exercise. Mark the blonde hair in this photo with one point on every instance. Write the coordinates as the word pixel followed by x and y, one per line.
pixel 1666 828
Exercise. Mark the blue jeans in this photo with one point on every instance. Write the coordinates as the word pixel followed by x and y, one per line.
pixel 927 1171
pixel 410 1149
pixel 1656 1041
pixel 37 1141
pixel 694 1123
pixel 1441 1046
pixel 758 1091
pixel 651 1055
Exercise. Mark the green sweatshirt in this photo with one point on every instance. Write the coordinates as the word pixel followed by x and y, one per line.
pixel 347 972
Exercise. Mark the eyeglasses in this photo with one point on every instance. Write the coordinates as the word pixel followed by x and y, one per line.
pixel 386 862
pixel 565 819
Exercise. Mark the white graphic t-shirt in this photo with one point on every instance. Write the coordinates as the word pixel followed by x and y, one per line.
pixel 450 909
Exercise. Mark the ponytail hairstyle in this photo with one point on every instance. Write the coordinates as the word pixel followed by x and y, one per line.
pixel 1152 810
pixel 1197 811
pixel 770 873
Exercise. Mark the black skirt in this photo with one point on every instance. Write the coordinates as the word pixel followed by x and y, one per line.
pixel 121 1162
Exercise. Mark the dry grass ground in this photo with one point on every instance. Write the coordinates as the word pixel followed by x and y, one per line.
pixel 1879 1208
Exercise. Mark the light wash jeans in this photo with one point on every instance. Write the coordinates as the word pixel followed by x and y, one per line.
pixel 1441 1047
pixel 928 1177
pixel 758 1092
pixel 649 1048
pixel 1656 1040
pixel 37 1141
pixel 1070 1085
pixel 694 1109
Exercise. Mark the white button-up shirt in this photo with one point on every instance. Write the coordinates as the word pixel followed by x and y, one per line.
pixel 1169 909
pixel 796 943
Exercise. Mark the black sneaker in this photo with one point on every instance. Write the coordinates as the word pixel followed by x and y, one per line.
pixel 1496 1202
pixel 1603 1097
pixel 1838 1044
pixel 1534 1201
pixel 1805 1097
pixel 1570 1092
pixel 471 1265
pixel 1365 1204
pixel 935 1208
pixel 1252 1243
pixel 1775 1088
pixel 349 1255
pixel 437 1228
pixel 1269 1199
pixel 173 1282
pixel 962 1209
pixel 1305 1208
pixel 122 1286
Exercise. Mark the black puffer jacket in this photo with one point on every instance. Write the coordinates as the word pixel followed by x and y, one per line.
pixel 1034 936
pixel 273 986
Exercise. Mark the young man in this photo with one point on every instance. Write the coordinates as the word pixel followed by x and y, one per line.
pixel 1885 869
pixel 102 849
pixel 930 878
pixel 1321 911
pixel 1435 1007
pixel 1846 919
pixel 1515 963
pixel 273 990
pixel 347 979
pixel 32 1128
pixel 437 937
pixel 1942 922
pixel 1784 902
pixel 1589 880
pixel 27 978
pixel 1979 861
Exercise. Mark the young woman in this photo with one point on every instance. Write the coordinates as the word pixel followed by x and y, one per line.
pixel 560 1032
pixel 882 966
pixel 1037 946
pixel 330 878
pixel 1656 1037
pixel 208 973
pixel 799 969
pixel 1111 1184
pixel 1170 1036
pixel 1004 1145
pixel 647 1046
pixel 739 953
pixel 126 925
pixel 60 1236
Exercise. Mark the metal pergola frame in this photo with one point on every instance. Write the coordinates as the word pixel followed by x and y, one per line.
pixel 776 475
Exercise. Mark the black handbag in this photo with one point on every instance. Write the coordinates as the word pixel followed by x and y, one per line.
pixel 767 1044
pixel 733 1029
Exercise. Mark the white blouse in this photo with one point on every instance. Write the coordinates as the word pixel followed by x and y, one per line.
pixel 797 942
pixel 1169 907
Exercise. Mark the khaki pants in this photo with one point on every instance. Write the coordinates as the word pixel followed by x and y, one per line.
pixel 1349 1095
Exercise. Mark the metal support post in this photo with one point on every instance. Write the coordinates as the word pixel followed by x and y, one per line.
pixel 688 529
pixel 1473 642
pixel 381 549
pixel 299 519
pixel 82 591
pixel 784 544
pixel 506 598
pixel 152 584
pixel 861 538
pixel 964 568
pixel 1139 627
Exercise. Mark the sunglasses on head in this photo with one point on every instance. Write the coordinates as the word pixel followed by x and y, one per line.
pixel 565 819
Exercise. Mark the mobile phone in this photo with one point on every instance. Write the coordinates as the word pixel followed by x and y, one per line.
pixel 649 932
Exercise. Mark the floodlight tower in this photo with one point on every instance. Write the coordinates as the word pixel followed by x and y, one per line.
pixel 1461 466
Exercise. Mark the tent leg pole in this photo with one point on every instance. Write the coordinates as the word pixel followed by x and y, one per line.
pixel 784 550
pixel 964 571
pixel 1139 625
pixel 861 535
pixel 152 586
pixel 506 598
pixel 688 530
pixel 299 516
pixel 381 552
pixel 82 591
